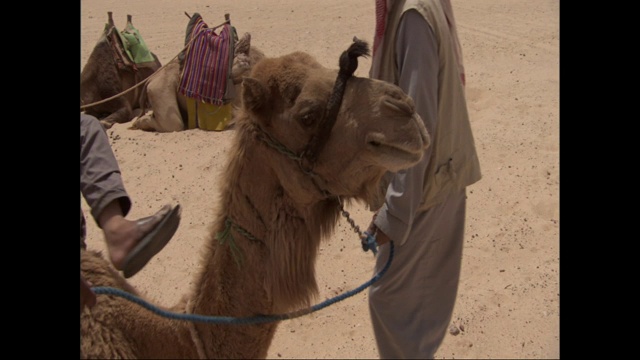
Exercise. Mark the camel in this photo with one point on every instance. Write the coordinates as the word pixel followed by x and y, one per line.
pixel 168 108
pixel 109 72
pixel 307 139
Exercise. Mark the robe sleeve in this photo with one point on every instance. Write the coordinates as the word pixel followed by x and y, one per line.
pixel 417 58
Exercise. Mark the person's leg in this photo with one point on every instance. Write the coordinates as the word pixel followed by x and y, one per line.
pixel 412 304
pixel 123 235
pixel 102 187
pixel 100 177
pixel 131 244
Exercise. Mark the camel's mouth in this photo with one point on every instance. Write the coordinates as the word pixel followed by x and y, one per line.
pixel 395 155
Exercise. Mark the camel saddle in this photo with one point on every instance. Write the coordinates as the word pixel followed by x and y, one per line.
pixel 129 49
pixel 205 73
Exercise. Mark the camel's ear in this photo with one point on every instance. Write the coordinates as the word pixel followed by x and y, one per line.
pixel 254 94
pixel 254 97
pixel 243 46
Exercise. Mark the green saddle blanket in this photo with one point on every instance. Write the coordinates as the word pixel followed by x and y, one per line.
pixel 133 45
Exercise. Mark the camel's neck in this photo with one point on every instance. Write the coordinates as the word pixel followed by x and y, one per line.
pixel 263 264
pixel 261 255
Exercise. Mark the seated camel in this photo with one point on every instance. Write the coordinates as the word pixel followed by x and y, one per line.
pixel 307 139
pixel 164 109
pixel 110 71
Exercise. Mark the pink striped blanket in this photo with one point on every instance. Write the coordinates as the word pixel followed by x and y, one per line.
pixel 206 66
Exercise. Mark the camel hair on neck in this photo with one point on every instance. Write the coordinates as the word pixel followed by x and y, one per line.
pixel 349 131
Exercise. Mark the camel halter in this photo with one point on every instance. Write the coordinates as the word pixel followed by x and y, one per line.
pixel 368 241
pixel 348 65
pixel 307 159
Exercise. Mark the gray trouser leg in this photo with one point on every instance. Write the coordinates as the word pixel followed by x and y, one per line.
pixel 100 177
pixel 412 304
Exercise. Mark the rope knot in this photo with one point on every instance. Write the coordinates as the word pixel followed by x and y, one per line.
pixel 369 243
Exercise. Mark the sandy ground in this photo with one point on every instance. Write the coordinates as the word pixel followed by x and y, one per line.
pixel 508 304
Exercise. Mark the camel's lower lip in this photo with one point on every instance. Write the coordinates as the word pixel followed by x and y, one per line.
pixel 407 147
pixel 394 156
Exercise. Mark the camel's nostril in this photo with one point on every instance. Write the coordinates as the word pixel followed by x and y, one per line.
pixel 391 105
pixel 375 139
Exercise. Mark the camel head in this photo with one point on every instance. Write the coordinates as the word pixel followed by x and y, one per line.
pixel 349 131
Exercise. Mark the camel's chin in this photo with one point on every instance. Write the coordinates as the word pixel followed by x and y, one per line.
pixel 375 198
pixel 375 202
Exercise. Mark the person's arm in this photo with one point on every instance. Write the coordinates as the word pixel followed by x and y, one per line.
pixel 417 58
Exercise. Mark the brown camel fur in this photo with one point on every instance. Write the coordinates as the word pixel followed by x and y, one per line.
pixel 103 77
pixel 167 108
pixel 285 211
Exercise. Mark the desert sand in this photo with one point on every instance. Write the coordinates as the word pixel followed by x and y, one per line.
pixel 508 302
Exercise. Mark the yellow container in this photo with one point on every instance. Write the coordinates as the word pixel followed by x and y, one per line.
pixel 207 116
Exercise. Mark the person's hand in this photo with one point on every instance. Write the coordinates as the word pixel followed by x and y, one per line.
pixel 87 297
pixel 381 238
pixel 372 227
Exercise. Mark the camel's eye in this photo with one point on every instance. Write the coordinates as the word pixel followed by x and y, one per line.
pixel 310 116
pixel 307 119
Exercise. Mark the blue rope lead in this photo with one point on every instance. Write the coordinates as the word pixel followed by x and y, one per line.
pixel 261 319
